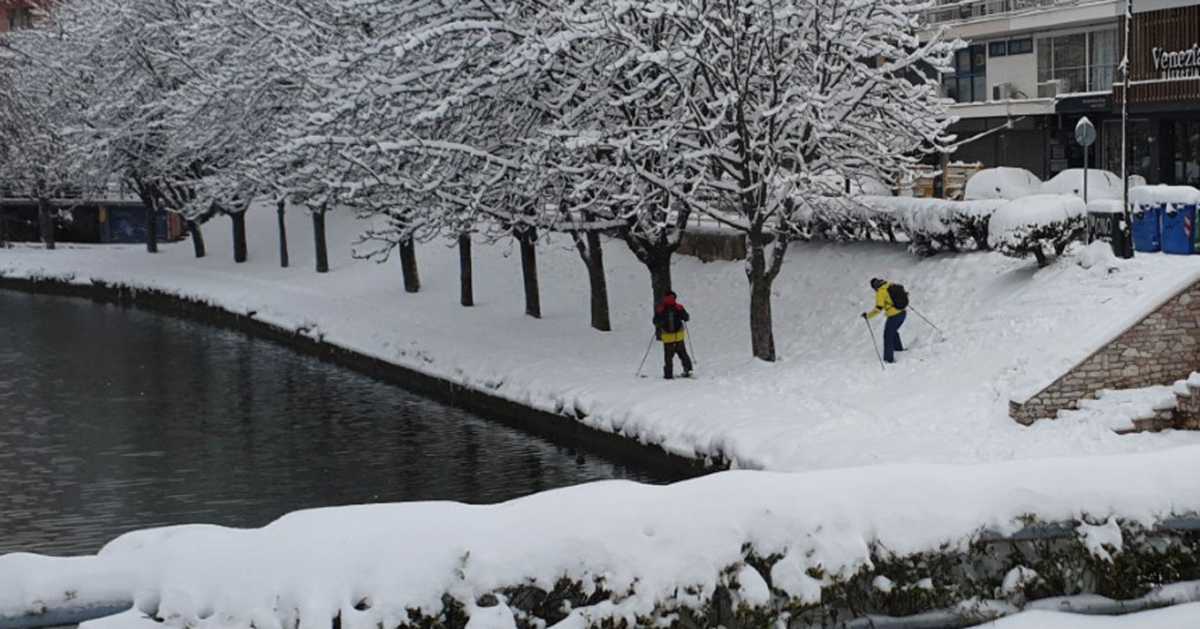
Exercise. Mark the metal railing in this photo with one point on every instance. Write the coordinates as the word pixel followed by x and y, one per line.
pixel 967 10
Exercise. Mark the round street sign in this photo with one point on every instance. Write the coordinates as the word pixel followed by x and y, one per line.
pixel 1085 132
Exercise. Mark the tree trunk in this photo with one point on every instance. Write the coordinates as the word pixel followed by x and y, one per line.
pixel 283 252
pixel 464 270
pixel 408 265
pixel 46 222
pixel 592 252
pixel 762 337
pixel 239 236
pixel 656 255
pixel 660 277
pixel 197 238
pixel 318 220
pixel 151 228
pixel 527 237
pixel 599 284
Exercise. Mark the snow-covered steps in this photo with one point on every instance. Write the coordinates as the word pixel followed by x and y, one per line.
pixel 1157 342
pixel 1145 409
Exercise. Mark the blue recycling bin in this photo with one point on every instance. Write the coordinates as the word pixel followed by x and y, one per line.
pixel 1147 228
pixel 1178 227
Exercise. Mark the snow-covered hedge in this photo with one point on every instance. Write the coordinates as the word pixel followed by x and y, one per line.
pixel 1002 183
pixel 1041 226
pixel 739 549
pixel 931 225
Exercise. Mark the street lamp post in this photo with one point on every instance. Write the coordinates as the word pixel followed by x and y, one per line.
pixel 1127 245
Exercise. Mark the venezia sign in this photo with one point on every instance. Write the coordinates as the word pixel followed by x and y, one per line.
pixel 1177 64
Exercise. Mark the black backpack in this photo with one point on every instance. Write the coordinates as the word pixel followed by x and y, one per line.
pixel 671 321
pixel 899 296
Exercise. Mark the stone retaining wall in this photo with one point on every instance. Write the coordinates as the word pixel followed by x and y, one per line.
pixel 1160 349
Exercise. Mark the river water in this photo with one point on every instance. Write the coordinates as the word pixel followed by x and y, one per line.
pixel 114 419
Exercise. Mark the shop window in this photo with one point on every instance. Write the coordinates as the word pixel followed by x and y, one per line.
pixel 1185 141
pixel 1141 144
pixel 997 49
pixel 1102 60
pixel 1080 62
pixel 1020 46
pixel 20 18
pixel 968 83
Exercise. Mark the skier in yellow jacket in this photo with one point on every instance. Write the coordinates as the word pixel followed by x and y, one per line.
pixel 670 318
pixel 895 314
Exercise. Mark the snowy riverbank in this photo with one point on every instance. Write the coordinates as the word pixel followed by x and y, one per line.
pixel 637 552
pixel 1008 328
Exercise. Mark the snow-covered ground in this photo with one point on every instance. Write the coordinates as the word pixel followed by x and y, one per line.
pixel 1008 328
pixel 645 544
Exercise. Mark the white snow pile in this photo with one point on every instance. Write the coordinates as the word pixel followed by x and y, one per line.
pixel 643 546
pixel 1101 184
pixel 1003 182
pixel 1098 255
pixel 1168 196
pixel 1018 220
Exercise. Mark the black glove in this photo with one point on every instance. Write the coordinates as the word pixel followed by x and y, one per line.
pixel 864 315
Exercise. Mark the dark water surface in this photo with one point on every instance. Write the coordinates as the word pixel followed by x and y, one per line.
pixel 114 419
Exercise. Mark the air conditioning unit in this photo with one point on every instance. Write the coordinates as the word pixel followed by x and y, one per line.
pixel 1003 91
pixel 1051 89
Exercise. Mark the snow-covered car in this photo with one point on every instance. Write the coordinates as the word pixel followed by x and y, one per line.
pixel 1102 184
pixel 1003 182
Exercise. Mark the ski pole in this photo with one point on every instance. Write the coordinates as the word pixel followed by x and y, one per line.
pixel 874 343
pixel 926 319
pixel 644 357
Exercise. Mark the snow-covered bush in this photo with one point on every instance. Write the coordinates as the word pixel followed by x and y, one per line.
pixel 934 225
pixel 1003 182
pixel 1041 226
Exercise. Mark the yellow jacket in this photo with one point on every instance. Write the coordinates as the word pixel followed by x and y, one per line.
pixel 673 337
pixel 883 303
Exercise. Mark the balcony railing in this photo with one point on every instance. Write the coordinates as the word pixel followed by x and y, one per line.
pixel 978 9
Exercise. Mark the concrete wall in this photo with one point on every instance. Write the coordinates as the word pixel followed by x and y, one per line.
pixel 1160 349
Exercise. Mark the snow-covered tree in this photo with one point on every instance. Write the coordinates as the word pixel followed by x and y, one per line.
pixel 767 99
pixel 40 101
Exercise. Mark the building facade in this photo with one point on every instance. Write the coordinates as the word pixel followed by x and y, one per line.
pixel 17 14
pixel 1038 66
